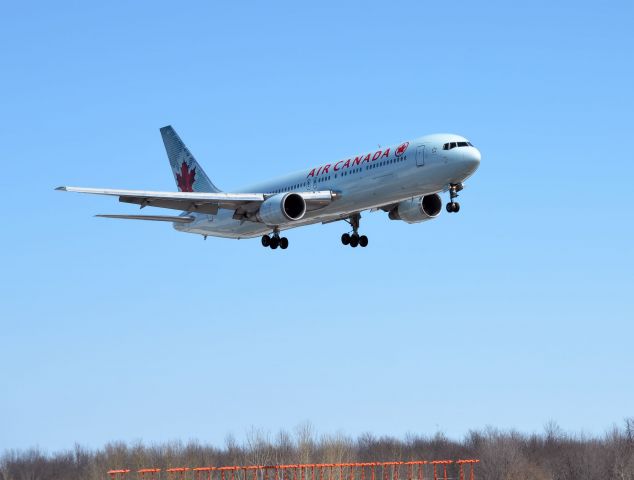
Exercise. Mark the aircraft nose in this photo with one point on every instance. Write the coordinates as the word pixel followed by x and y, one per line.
pixel 471 157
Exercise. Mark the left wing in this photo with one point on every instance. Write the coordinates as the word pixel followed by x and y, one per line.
pixel 204 202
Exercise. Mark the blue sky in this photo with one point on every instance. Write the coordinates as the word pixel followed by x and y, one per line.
pixel 514 312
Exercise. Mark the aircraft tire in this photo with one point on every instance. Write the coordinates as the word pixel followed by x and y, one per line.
pixel 363 241
pixel 266 240
pixel 283 243
pixel 275 242
pixel 453 207
pixel 354 240
pixel 345 239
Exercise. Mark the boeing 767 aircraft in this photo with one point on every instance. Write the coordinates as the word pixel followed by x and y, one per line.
pixel 403 180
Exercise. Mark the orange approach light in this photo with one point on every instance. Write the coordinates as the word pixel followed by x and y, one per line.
pixel 414 470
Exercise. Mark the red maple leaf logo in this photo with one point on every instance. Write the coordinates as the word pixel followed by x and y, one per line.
pixel 401 149
pixel 186 178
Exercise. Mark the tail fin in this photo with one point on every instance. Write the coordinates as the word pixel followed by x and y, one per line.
pixel 189 175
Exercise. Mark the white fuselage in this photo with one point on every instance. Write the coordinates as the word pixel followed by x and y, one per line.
pixel 377 179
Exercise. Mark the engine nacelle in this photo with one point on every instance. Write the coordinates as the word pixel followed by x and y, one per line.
pixel 282 208
pixel 416 210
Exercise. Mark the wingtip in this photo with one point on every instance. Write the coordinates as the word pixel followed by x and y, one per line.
pixel 61 189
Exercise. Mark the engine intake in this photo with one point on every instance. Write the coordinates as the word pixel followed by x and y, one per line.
pixel 416 210
pixel 282 208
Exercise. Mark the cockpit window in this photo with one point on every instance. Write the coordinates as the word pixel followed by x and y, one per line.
pixel 450 145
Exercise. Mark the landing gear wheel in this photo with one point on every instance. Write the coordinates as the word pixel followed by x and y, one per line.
pixel 353 239
pixel 453 207
pixel 266 240
pixel 275 242
pixel 283 243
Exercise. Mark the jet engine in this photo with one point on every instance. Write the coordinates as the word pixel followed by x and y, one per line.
pixel 282 208
pixel 416 210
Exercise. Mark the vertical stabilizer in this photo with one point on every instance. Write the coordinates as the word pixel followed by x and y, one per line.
pixel 189 175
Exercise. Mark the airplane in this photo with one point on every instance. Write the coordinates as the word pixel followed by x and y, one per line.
pixel 403 180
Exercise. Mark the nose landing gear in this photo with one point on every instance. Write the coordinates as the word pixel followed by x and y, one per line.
pixel 354 239
pixel 454 188
pixel 275 241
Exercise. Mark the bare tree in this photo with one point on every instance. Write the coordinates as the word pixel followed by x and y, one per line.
pixel 258 448
pixel 505 455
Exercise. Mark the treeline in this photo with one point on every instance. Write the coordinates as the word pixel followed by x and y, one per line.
pixel 551 455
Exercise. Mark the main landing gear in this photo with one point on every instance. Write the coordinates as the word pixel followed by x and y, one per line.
pixel 275 241
pixel 454 188
pixel 354 240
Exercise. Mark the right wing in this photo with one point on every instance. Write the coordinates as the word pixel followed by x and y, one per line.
pixel 156 218
pixel 204 202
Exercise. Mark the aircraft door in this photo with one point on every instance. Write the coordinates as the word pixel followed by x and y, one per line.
pixel 420 155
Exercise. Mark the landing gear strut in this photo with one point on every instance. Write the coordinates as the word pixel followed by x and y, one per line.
pixel 275 241
pixel 353 239
pixel 454 188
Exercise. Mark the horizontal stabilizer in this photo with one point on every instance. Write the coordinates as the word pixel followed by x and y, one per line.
pixel 156 218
